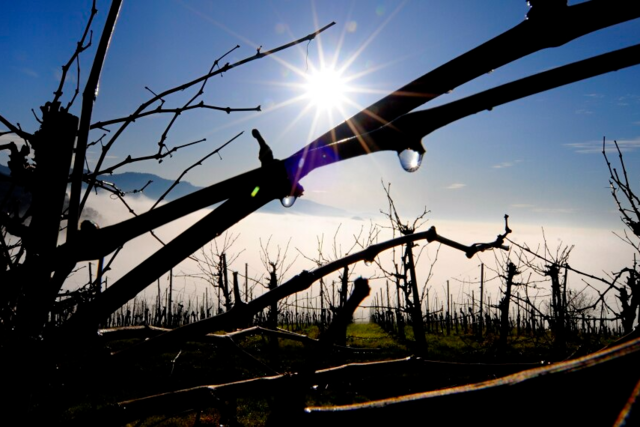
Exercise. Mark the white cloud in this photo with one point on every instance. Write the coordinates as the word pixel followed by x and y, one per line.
pixel 533 208
pixel 29 72
pixel 626 99
pixel 506 164
pixel 596 146
pixel 456 186
pixel 555 210
pixel 594 95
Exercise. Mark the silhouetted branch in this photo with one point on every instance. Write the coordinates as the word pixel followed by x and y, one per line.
pixel 88 98
pixel 185 86
pixel 240 313
pixel 599 380
pixel 622 184
pixel 198 163
pixel 81 47
pixel 611 283
pixel 158 156
pixel 360 291
pixel 15 129
pixel 209 396
pixel 178 111
pixel 532 35
pixel 394 217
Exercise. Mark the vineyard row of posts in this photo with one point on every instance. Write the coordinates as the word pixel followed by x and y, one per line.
pixel 477 312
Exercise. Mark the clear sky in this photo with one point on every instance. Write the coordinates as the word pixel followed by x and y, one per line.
pixel 537 159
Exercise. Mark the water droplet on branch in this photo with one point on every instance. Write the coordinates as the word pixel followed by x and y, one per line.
pixel 410 160
pixel 288 201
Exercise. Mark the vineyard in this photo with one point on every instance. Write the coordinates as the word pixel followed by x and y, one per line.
pixel 532 341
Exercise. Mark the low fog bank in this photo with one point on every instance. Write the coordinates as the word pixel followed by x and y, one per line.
pixel 297 239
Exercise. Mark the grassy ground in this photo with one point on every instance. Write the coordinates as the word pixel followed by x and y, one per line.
pixel 195 364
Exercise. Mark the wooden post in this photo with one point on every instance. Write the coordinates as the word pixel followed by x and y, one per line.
pixel 322 319
pixel 481 323
pixel 246 282
pixel 504 307
pixel 448 315
pixel 399 318
pixel 169 297
pixel 99 275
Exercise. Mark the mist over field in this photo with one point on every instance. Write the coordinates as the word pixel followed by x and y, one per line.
pixel 299 236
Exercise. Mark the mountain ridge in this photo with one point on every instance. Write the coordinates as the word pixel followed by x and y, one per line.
pixel 132 182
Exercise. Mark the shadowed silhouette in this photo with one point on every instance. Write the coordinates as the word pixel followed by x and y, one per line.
pixel 265 155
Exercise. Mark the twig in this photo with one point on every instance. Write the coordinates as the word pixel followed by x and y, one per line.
pixel 15 129
pixel 187 85
pixel 198 163
pixel 81 47
pixel 178 111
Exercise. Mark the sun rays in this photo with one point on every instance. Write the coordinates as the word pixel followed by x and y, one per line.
pixel 325 83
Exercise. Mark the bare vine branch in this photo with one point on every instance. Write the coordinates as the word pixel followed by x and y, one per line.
pixel 198 163
pixel 187 85
pixel 81 47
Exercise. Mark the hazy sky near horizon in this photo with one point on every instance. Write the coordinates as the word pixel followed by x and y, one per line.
pixel 536 159
pixel 596 251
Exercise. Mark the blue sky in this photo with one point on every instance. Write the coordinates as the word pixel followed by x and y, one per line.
pixel 536 159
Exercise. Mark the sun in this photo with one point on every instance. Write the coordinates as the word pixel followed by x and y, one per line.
pixel 326 89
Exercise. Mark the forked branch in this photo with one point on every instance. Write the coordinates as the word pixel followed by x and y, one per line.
pixel 241 312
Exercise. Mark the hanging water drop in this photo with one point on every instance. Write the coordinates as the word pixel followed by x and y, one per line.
pixel 368 262
pixel 410 159
pixel 288 201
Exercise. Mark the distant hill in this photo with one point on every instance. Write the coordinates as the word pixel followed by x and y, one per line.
pixel 305 207
pixel 130 181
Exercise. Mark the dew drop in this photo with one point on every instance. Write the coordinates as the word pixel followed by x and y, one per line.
pixel 410 160
pixel 288 201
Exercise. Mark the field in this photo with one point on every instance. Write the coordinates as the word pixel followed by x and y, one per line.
pixel 215 362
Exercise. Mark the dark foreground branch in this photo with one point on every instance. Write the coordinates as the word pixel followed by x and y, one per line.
pixel 601 379
pixel 604 380
pixel 240 313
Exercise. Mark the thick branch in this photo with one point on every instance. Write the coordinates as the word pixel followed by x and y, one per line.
pixel 88 98
pixel 187 85
pixel 600 380
pixel 242 312
pixel 426 121
pixel 407 131
pixel 246 201
pixel 209 396
pixel 530 36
